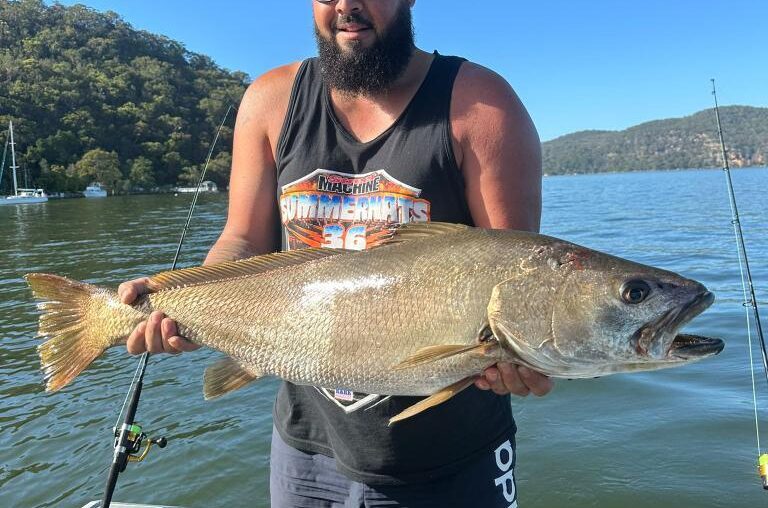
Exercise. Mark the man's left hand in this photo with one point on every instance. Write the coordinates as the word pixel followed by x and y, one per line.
pixel 504 378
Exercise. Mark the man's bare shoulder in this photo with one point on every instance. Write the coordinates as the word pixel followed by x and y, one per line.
pixel 265 102
pixel 274 84
pixel 479 89
pixel 487 114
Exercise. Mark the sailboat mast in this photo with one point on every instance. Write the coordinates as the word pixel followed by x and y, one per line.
pixel 2 164
pixel 13 161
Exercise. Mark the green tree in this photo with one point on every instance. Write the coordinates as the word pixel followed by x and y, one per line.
pixel 100 166
pixel 141 174
pixel 74 80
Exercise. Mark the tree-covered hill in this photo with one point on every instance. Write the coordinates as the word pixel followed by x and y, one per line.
pixel 689 142
pixel 91 98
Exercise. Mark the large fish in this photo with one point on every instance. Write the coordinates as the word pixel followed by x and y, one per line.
pixel 422 314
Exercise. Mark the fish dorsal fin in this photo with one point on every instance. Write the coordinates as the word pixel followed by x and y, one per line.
pixel 421 230
pixel 233 269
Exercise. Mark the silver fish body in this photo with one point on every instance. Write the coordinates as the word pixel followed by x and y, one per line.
pixel 432 307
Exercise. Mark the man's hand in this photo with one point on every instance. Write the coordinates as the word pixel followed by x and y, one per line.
pixel 158 334
pixel 504 378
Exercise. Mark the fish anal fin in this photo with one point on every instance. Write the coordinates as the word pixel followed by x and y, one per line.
pixel 226 376
pixel 431 354
pixel 232 269
pixel 434 399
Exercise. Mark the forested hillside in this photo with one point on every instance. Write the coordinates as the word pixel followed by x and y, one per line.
pixel 91 98
pixel 689 142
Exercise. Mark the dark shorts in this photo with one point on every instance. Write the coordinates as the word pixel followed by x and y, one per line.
pixel 310 480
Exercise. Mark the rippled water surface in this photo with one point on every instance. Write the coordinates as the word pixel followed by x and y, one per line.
pixel 683 437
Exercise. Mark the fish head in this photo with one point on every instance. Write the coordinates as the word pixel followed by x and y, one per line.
pixel 603 315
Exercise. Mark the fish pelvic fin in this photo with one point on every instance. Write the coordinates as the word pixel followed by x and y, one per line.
pixel 434 399
pixel 226 376
pixel 79 322
pixel 431 354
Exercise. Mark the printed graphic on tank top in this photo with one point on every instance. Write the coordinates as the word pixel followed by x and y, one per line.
pixel 332 209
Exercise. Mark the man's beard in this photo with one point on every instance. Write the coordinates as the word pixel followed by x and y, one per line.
pixel 368 71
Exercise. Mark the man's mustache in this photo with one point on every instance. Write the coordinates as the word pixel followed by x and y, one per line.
pixel 354 18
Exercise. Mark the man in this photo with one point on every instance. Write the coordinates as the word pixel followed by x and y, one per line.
pixel 328 153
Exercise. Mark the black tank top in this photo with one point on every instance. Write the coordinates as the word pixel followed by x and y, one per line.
pixel 335 191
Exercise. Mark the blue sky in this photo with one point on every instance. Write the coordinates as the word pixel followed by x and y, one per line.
pixel 578 64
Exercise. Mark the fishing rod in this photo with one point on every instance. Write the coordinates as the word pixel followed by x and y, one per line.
pixel 129 436
pixel 748 287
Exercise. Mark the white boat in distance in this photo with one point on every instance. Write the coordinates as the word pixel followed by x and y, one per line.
pixel 206 186
pixel 20 196
pixel 95 190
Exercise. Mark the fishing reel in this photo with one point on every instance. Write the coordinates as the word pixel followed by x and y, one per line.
pixel 133 443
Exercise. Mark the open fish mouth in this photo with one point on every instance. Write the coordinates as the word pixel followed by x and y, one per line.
pixel 689 347
pixel 659 338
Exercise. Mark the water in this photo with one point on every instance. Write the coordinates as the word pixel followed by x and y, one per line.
pixel 681 437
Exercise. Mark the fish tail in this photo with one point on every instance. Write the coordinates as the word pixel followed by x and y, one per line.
pixel 79 322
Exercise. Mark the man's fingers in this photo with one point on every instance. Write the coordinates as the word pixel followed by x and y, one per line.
pixel 501 382
pixel 539 384
pixel 167 332
pixel 153 337
pixel 511 380
pixel 135 343
pixel 173 342
pixel 504 378
pixel 182 344
pixel 129 291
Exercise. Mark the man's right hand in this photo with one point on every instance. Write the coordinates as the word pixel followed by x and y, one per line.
pixel 158 334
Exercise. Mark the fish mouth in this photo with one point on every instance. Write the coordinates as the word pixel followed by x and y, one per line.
pixel 690 347
pixel 659 338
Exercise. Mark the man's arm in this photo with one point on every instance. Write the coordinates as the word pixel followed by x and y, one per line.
pixel 253 215
pixel 499 153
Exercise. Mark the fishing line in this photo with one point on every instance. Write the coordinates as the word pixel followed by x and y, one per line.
pixel 128 436
pixel 748 288
pixel 144 357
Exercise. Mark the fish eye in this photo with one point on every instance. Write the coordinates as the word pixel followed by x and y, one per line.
pixel 635 291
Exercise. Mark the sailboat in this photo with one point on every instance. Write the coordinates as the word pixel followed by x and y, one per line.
pixel 20 195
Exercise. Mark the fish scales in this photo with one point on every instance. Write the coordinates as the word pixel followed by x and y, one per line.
pixel 348 320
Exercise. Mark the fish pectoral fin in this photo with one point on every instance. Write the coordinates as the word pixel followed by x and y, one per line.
pixel 433 353
pixel 434 399
pixel 227 376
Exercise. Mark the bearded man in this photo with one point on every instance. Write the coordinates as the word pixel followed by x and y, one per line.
pixel 329 152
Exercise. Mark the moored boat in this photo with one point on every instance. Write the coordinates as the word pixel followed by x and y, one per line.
pixel 95 190
pixel 20 195
pixel 206 186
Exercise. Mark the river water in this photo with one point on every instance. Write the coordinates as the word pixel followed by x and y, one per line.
pixel 682 437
